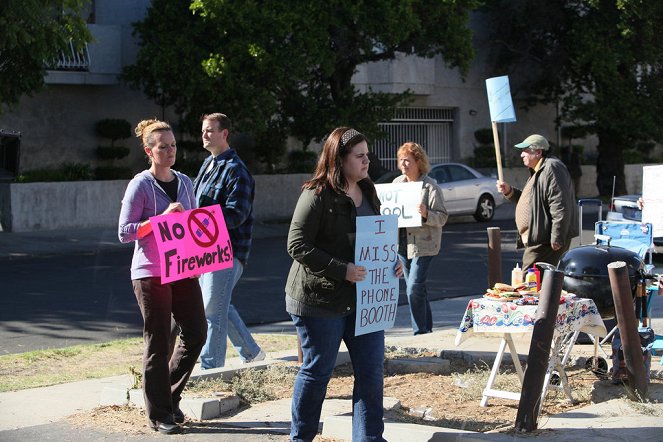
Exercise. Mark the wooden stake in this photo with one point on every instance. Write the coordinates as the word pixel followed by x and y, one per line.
pixel 628 328
pixel 494 256
pixel 539 351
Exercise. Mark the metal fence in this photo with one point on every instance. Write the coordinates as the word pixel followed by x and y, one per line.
pixel 430 127
pixel 73 59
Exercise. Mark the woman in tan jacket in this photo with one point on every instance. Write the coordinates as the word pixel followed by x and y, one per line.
pixel 419 245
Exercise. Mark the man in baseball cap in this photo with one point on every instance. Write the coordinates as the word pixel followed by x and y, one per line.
pixel 546 210
pixel 534 141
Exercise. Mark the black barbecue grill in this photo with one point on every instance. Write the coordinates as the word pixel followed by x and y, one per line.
pixel 586 273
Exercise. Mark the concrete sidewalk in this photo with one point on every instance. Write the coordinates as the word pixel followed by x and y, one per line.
pixel 39 413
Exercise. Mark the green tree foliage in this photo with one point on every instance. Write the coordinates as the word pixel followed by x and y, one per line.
pixel 285 68
pixel 32 33
pixel 602 60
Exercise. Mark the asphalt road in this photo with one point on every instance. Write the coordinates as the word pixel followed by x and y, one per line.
pixel 59 301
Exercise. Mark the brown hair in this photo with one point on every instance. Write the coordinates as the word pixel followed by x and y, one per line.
pixel 328 171
pixel 224 121
pixel 146 128
pixel 418 153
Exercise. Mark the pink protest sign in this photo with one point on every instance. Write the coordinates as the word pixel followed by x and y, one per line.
pixel 192 242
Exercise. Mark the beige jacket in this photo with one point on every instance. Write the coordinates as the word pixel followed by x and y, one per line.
pixel 427 239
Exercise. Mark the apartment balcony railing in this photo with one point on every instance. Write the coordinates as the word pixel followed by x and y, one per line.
pixel 96 63
pixel 73 59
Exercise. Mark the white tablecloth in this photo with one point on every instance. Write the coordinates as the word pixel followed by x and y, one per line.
pixel 490 316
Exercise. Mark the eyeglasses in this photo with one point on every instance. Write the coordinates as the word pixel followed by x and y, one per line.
pixel 530 150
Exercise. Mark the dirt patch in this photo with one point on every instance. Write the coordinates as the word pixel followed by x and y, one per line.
pixel 451 401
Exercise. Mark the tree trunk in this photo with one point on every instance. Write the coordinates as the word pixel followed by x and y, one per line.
pixel 610 163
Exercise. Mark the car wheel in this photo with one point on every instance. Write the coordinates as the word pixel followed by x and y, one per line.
pixel 485 209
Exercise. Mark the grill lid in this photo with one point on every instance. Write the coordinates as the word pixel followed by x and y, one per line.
pixel 592 261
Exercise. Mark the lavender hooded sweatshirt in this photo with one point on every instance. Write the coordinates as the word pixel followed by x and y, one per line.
pixel 142 199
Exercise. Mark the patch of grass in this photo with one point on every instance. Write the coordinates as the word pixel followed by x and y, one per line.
pixel 56 366
pixel 473 381
pixel 255 386
pixel 251 385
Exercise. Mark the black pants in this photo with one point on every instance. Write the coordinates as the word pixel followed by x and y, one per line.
pixel 164 378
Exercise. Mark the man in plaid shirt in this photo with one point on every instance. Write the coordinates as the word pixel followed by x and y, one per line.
pixel 224 179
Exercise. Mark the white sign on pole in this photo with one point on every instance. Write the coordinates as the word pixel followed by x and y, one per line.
pixel 652 212
pixel 499 100
pixel 402 200
pixel 377 295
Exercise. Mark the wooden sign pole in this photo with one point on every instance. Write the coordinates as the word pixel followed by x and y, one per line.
pixel 498 155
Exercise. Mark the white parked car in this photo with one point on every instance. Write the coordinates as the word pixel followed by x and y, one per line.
pixel 466 191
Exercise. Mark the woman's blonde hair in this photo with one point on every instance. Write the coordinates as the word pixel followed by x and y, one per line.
pixel 146 128
pixel 418 153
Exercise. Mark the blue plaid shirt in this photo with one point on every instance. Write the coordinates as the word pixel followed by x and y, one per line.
pixel 229 183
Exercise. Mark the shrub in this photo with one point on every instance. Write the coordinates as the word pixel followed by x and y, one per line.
pixel 65 172
pixel 484 136
pixel 113 129
pixel 112 173
pixel 302 161
pixel 112 152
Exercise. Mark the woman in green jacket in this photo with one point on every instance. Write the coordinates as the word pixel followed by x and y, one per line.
pixel 320 290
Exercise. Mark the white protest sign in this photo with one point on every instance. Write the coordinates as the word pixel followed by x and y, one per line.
pixel 499 100
pixel 652 212
pixel 377 295
pixel 402 200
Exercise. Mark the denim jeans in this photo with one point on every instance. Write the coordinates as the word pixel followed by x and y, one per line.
pixel 320 339
pixel 415 271
pixel 223 320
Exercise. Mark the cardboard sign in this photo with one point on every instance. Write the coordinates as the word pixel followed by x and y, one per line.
pixel 192 242
pixel 377 295
pixel 652 212
pixel 499 100
pixel 402 200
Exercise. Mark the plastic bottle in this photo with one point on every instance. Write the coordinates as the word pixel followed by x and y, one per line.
pixel 516 276
pixel 537 272
pixel 530 280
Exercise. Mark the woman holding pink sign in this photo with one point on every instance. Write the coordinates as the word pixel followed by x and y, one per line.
pixel 160 190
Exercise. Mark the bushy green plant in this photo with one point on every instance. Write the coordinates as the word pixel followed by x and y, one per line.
pixel 112 152
pixel 633 156
pixel 65 172
pixel 113 129
pixel 301 161
pixel 112 173
pixel 484 156
pixel 484 136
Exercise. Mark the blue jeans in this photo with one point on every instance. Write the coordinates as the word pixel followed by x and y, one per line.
pixel 223 320
pixel 320 339
pixel 415 271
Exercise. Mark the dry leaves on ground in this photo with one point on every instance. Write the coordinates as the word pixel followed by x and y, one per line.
pixel 451 401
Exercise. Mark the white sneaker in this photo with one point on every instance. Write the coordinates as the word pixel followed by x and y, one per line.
pixel 259 357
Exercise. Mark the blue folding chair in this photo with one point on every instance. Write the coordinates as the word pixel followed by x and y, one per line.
pixel 636 237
